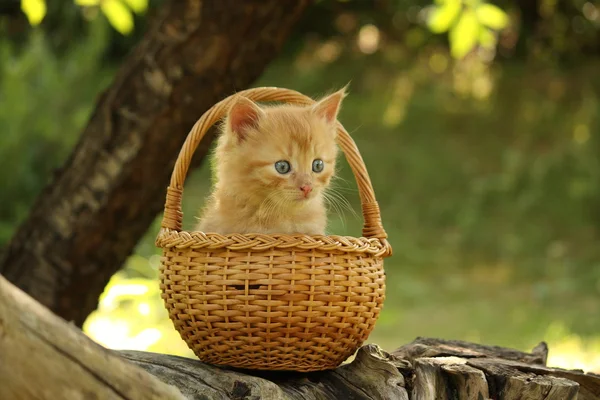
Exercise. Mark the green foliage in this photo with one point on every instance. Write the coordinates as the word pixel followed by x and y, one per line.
pixel 443 16
pixel 464 35
pixel 491 16
pixel 131 314
pixel 118 12
pixel 469 23
pixel 35 10
pixel 137 6
pixel 118 15
pixel 42 110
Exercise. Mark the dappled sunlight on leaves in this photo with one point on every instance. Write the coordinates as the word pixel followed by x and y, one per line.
pixel 35 10
pixel 442 17
pixel 463 36
pixel 491 16
pixel 137 6
pixel 396 107
pixel 368 39
pixel 118 12
pixel 118 15
pixel 571 351
pixel 131 314
pixel 468 23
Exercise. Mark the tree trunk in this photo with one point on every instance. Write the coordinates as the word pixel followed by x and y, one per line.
pixel 85 224
pixel 42 357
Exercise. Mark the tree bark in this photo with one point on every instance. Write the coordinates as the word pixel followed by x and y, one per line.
pixel 43 357
pixel 86 222
pixel 448 370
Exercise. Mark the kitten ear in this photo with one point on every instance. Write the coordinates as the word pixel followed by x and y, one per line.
pixel 329 106
pixel 244 115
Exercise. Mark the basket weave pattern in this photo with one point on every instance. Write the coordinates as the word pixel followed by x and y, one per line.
pixel 277 302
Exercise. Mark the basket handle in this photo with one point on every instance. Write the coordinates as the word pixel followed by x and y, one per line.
pixel 173 215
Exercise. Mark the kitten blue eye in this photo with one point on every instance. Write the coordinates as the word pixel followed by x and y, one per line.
pixel 283 167
pixel 318 165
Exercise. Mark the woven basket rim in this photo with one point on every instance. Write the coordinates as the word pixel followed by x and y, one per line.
pixel 170 238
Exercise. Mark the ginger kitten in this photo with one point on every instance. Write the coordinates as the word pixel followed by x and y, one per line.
pixel 273 165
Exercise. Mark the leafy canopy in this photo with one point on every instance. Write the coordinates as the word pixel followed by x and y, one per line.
pixel 469 23
pixel 118 12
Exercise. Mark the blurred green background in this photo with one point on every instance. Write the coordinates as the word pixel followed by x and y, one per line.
pixel 479 126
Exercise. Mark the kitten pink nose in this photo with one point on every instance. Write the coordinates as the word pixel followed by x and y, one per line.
pixel 306 189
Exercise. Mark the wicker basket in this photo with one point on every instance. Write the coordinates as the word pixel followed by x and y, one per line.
pixel 272 302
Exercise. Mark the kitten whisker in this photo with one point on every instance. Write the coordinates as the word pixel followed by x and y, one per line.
pixel 347 187
pixel 332 204
pixel 338 202
pixel 343 189
pixel 266 208
pixel 270 205
pixel 343 201
pixel 274 205
pixel 339 178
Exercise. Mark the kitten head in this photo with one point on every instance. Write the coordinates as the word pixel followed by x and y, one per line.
pixel 284 153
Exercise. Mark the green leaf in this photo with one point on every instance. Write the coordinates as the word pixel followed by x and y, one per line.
pixel 441 18
pixel 463 36
pixel 87 3
pixel 118 15
pixel 492 16
pixel 487 39
pixel 138 6
pixel 35 10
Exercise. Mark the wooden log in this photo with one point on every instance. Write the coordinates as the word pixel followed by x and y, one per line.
pixel 511 383
pixel 426 347
pixel 43 357
pixel 473 371
pixel 433 377
pixel 448 369
pixel 373 374
pixel 470 383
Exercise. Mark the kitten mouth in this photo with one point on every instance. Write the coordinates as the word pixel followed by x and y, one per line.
pixel 300 197
pixel 303 197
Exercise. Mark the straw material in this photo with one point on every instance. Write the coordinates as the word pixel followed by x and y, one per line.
pixel 273 302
